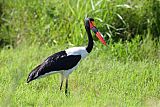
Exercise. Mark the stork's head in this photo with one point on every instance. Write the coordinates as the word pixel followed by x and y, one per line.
pixel 89 24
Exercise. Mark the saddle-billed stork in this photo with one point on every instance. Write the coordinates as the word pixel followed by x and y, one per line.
pixel 64 62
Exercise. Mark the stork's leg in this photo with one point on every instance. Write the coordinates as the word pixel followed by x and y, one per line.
pixel 66 90
pixel 62 78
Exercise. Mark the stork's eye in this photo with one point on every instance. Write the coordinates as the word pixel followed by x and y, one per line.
pixel 93 23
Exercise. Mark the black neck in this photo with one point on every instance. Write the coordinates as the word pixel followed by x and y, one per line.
pixel 90 41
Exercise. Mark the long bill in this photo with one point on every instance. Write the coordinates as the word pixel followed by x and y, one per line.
pixel 99 35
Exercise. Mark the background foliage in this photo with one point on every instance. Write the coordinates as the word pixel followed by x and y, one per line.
pixel 123 74
pixel 61 21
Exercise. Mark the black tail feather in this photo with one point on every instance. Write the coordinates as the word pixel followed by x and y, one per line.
pixel 33 74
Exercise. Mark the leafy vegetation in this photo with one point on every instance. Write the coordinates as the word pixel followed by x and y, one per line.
pixel 123 74
pixel 104 81
pixel 61 21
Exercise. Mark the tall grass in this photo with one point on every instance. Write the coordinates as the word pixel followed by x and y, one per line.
pixel 61 21
pixel 104 78
pixel 123 74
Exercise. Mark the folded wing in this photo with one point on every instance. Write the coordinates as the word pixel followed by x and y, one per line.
pixel 56 62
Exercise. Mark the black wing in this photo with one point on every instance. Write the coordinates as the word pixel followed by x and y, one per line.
pixel 55 62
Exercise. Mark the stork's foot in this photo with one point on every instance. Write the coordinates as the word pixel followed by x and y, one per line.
pixel 67 93
pixel 61 86
pixel 66 90
pixel 62 78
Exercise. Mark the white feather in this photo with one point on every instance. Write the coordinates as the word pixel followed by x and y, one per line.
pixel 77 51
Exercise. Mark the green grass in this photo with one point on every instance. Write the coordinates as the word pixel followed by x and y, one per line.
pixel 60 22
pixel 100 80
pixel 123 74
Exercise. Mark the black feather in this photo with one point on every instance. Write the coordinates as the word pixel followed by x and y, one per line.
pixel 56 62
